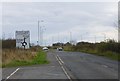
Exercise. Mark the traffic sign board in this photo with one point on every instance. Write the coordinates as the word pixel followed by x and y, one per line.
pixel 22 39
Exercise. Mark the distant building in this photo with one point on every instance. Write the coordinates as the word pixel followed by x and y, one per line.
pixel 22 39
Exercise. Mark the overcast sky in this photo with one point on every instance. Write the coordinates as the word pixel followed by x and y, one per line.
pixel 88 21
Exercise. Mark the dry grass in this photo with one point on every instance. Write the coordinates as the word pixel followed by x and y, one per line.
pixel 9 55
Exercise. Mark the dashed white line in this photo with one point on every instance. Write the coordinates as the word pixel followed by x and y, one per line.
pixel 12 73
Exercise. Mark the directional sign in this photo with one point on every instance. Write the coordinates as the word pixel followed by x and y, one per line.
pixel 22 39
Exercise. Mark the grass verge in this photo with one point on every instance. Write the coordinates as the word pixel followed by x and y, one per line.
pixel 106 54
pixel 39 58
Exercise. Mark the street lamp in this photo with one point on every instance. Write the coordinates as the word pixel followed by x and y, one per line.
pixel 42 34
pixel 39 29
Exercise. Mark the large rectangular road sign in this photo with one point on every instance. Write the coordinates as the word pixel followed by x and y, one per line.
pixel 22 39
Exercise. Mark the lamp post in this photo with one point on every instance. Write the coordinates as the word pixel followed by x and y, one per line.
pixel 39 31
pixel 42 34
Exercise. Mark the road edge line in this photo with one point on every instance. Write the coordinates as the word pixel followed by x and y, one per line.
pixel 12 74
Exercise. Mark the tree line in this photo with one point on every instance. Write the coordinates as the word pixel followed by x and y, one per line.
pixel 109 45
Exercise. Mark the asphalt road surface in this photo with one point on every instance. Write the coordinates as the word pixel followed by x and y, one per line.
pixel 47 71
pixel 87 66
pixel 66 65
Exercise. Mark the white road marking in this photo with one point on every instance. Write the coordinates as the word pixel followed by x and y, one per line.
pixel 105 66
pixel 60 59
pixel 61 62
pixel 12 73
pixel 66 73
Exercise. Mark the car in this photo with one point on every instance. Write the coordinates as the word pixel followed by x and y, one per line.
pixel 45 49
pixel 60 49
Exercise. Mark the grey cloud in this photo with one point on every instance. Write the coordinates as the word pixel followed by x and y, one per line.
pixel 58 17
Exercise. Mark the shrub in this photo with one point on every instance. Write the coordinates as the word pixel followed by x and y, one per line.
pixel 9 43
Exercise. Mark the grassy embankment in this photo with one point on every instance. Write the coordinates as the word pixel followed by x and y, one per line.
pixel 19 57
pixel 108 49
pixel 108 54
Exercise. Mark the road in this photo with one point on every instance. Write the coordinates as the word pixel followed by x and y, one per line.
pixel 47 71
pixel 87 66
pixel 67 65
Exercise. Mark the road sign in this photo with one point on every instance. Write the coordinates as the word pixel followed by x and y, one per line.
pixel 22 39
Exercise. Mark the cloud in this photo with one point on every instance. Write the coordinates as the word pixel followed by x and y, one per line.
pixel 60 19
pixel 60 0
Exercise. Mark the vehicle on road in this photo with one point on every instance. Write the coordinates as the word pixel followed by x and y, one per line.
pixel 60 49
pixel 45 49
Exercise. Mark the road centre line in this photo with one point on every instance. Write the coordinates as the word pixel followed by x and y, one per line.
pixel 60 59
pixel 12 73
pixel 61 62
pixel 66 73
